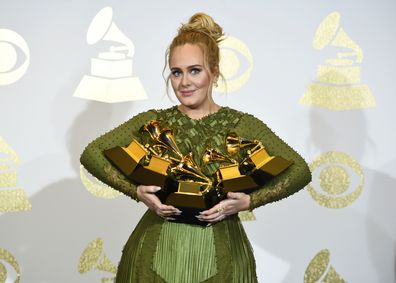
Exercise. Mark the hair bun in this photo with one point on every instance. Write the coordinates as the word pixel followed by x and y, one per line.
pixel 201 22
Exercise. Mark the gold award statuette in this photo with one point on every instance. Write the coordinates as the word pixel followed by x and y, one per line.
pixel 253 171
pixel 187 187
pixel 267 166
pixel 161 163
pixel 228 177
pixel 127 160
pixel 132 159
pixel 193 185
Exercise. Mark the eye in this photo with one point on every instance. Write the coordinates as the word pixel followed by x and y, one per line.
pixel 176 73
pixel 195 71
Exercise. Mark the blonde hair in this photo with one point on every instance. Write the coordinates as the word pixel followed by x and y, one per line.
pixel 203 31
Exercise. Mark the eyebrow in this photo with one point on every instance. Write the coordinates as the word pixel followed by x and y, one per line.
pixel 188 67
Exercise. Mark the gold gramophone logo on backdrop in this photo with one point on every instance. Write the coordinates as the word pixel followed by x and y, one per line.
pixel 9 260
pixel 320 270
pixel 336 172
pixel 231 49
pixel 111 79
pixel 11 198
pixel 93 258
pixel 96 187
pixel 9 40
pixel 338 85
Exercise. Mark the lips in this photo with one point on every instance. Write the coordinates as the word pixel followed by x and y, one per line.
pixel 187 93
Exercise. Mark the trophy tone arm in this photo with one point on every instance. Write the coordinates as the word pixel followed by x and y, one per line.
pixel 293 179
pixel 98 165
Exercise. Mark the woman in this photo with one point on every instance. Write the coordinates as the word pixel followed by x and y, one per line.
pixel 163 251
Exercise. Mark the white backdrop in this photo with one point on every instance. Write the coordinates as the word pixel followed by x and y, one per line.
pixel 48 217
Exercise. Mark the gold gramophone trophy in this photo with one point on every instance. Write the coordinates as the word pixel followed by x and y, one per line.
pixel 183 185
pixel 260 165
pixel 252 172
pixel 162 164
pixel 143 164
pixel 228 177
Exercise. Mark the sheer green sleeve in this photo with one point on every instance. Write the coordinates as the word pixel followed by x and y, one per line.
pixel 96 163
pixel 288 182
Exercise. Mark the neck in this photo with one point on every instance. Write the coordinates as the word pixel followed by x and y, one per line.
pixel 198 113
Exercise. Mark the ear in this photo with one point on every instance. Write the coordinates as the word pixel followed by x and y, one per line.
pixel 215 72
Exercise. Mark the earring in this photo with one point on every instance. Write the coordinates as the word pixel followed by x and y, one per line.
pixel 215 84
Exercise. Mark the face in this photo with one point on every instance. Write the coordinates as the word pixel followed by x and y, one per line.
pixel 190 81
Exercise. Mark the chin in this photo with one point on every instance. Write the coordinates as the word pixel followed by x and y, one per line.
pixel 188 101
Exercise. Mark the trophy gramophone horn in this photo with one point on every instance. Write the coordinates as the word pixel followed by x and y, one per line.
pixel 92 258
pixel 188 170
pixel 212 155
pixel 163 139
pixel 167 140
pixel 153 128
pixel 234 143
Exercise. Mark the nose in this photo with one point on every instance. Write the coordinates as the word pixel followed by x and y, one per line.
pixel 185 81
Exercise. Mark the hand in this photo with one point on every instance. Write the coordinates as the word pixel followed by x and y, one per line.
pixel 146 194
pixel 234 203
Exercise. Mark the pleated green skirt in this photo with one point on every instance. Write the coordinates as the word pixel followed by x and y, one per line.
pixel 162 251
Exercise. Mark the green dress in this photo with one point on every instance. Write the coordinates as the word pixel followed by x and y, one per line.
pixel 162 251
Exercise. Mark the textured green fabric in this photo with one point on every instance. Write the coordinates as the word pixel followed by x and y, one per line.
pixel 159 251
pixel 180 246
pixel 96 163
pixel 288 182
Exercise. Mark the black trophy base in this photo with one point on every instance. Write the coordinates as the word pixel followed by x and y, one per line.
pixel 189 205
pixel 188 216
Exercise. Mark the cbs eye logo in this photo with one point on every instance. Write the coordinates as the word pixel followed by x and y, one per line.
pixel 10 42
pixel 9 268
pixel 337 180
pixel 232 50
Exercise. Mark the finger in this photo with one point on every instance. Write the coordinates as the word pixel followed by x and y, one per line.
pixel 165 216
pixel 170 213
pixel 219 218
pixel 210 217
pixel 152 189
pixel 233 195
pixel 218 207
pixel 169 208
pixel 168 216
